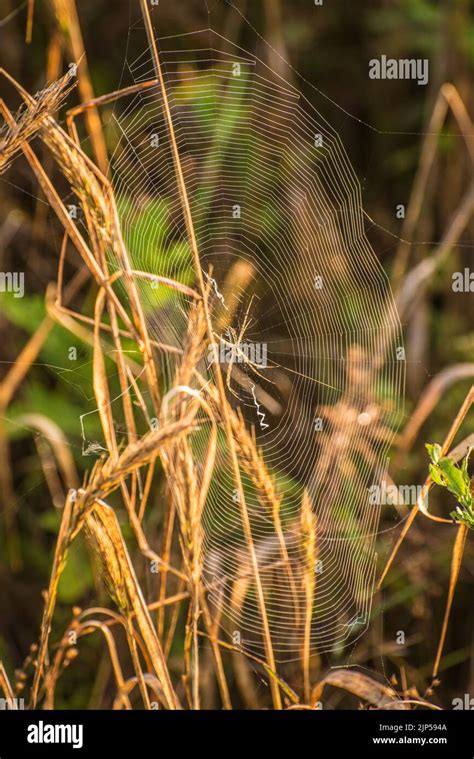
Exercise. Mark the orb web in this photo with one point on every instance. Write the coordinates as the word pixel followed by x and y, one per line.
pixel 297 288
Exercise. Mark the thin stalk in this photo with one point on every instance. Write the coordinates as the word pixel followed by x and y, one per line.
pixel 218 374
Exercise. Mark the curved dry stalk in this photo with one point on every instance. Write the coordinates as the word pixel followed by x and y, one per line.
pixel 167 282
pixel 448 97
pixel 83 629
pixel 418 277
pixel 361 685
pixel 432 393
pixel 468 401
pixel 84 107
pixel 58 442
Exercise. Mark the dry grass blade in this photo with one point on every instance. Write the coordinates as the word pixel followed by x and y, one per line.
pixel 104 533
pixel 186 500
pixel 68 20
pixel 96 196
pixel 5 684
pixel 64 217
pixel 143 450
pixel 101 389
pixel 309 541
pixel 59 563
pixel 363 686
pixel 189 494
pixel 458 551
pixel 31 117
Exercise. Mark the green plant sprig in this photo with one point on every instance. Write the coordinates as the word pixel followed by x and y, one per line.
pixel 456 479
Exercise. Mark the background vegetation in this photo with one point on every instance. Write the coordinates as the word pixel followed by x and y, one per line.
pixel 389 138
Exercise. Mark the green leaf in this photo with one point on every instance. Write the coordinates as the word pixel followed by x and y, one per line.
pixel 434 452
pixel 457 483
pixel 444 472
pixel 436 476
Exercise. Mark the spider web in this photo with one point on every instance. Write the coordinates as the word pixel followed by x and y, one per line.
pixel 278 217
